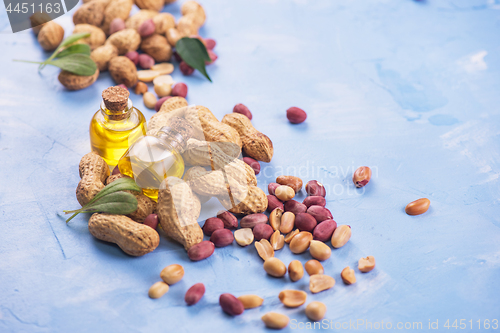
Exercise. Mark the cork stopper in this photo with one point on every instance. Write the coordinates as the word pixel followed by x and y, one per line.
pixel 115 98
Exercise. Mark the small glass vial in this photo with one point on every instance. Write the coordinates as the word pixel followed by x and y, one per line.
pixel 116 125
pixel 153 158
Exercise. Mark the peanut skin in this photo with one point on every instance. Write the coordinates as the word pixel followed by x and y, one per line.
pixel 133 238
pixel 93 171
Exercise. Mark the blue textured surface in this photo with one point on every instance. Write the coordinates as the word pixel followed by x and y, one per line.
pixel 408 88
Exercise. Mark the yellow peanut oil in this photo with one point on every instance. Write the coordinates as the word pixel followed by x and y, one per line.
pixel 111 138
pixel 149 161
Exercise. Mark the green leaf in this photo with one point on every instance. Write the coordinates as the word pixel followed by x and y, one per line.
pixel 74 49
pixel 121 203
pixel 73 38
pixel 121 184
pixel 69 40
pixel 194 53
pixel 79 64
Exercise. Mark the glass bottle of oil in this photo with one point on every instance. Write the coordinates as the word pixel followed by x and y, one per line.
pixel 151 159
pixel 116 125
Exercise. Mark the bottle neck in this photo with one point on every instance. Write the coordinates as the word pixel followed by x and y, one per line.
pixel 117 115
pixel 173 138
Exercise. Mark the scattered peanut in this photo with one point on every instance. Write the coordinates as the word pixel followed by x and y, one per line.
pixel 133 238
pixel 361 176
pixel 320 213
pixel 147 28
pixel 292 181
pixel 296 115
pixel 222 237
pixel 158 289
pixel 212 224
pixel 314 267
pixel 264 249
pixel 172 274
pixel 275 218
pixel 315 311
pixel 158 47
pixel 290 235
pixel 50 36
pixel 273 203
pixel 295 270
pixel 341 236
pixel 324 230
pixel 250 221
pixel 147 75
pixel 254 164
pixel 300 242
pixel 287 222
pixel 251 301
pixel 348 276
pixel 366 264
pixel 146 61
pixel 123 70
pixel 182 228
pixel 201 250
pixel 151 221
pixel 125 40
pixel 262 231
pixel 76 82
pixel 163 79
pixel 274 267
pixel 102 55
pixel 314 200
pixel 163 90
pixel 230 221
pixel 93 171
pixel 194 294
pixel 255 144
pixel 231 305
pixel 284 192
pixel 140 88
pixel 305 222
pixel 180 89
pixel 295 207
pixel 149 100
pixel 244 236
pixel 320 282
pixel 277 240
pixel 292 298
pixel 240 108
pixel 313 187
pixel 319 250
pixel 418 207
pixel 163 68
pixel 275 320
pixel 272 187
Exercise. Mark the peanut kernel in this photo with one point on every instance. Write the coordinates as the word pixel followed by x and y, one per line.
pixel 348 276
pixel 366 264
pixel 315 311
pixel 292 298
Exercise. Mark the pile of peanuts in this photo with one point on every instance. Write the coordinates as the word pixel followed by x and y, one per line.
pixel 116 36
pixel 305 225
